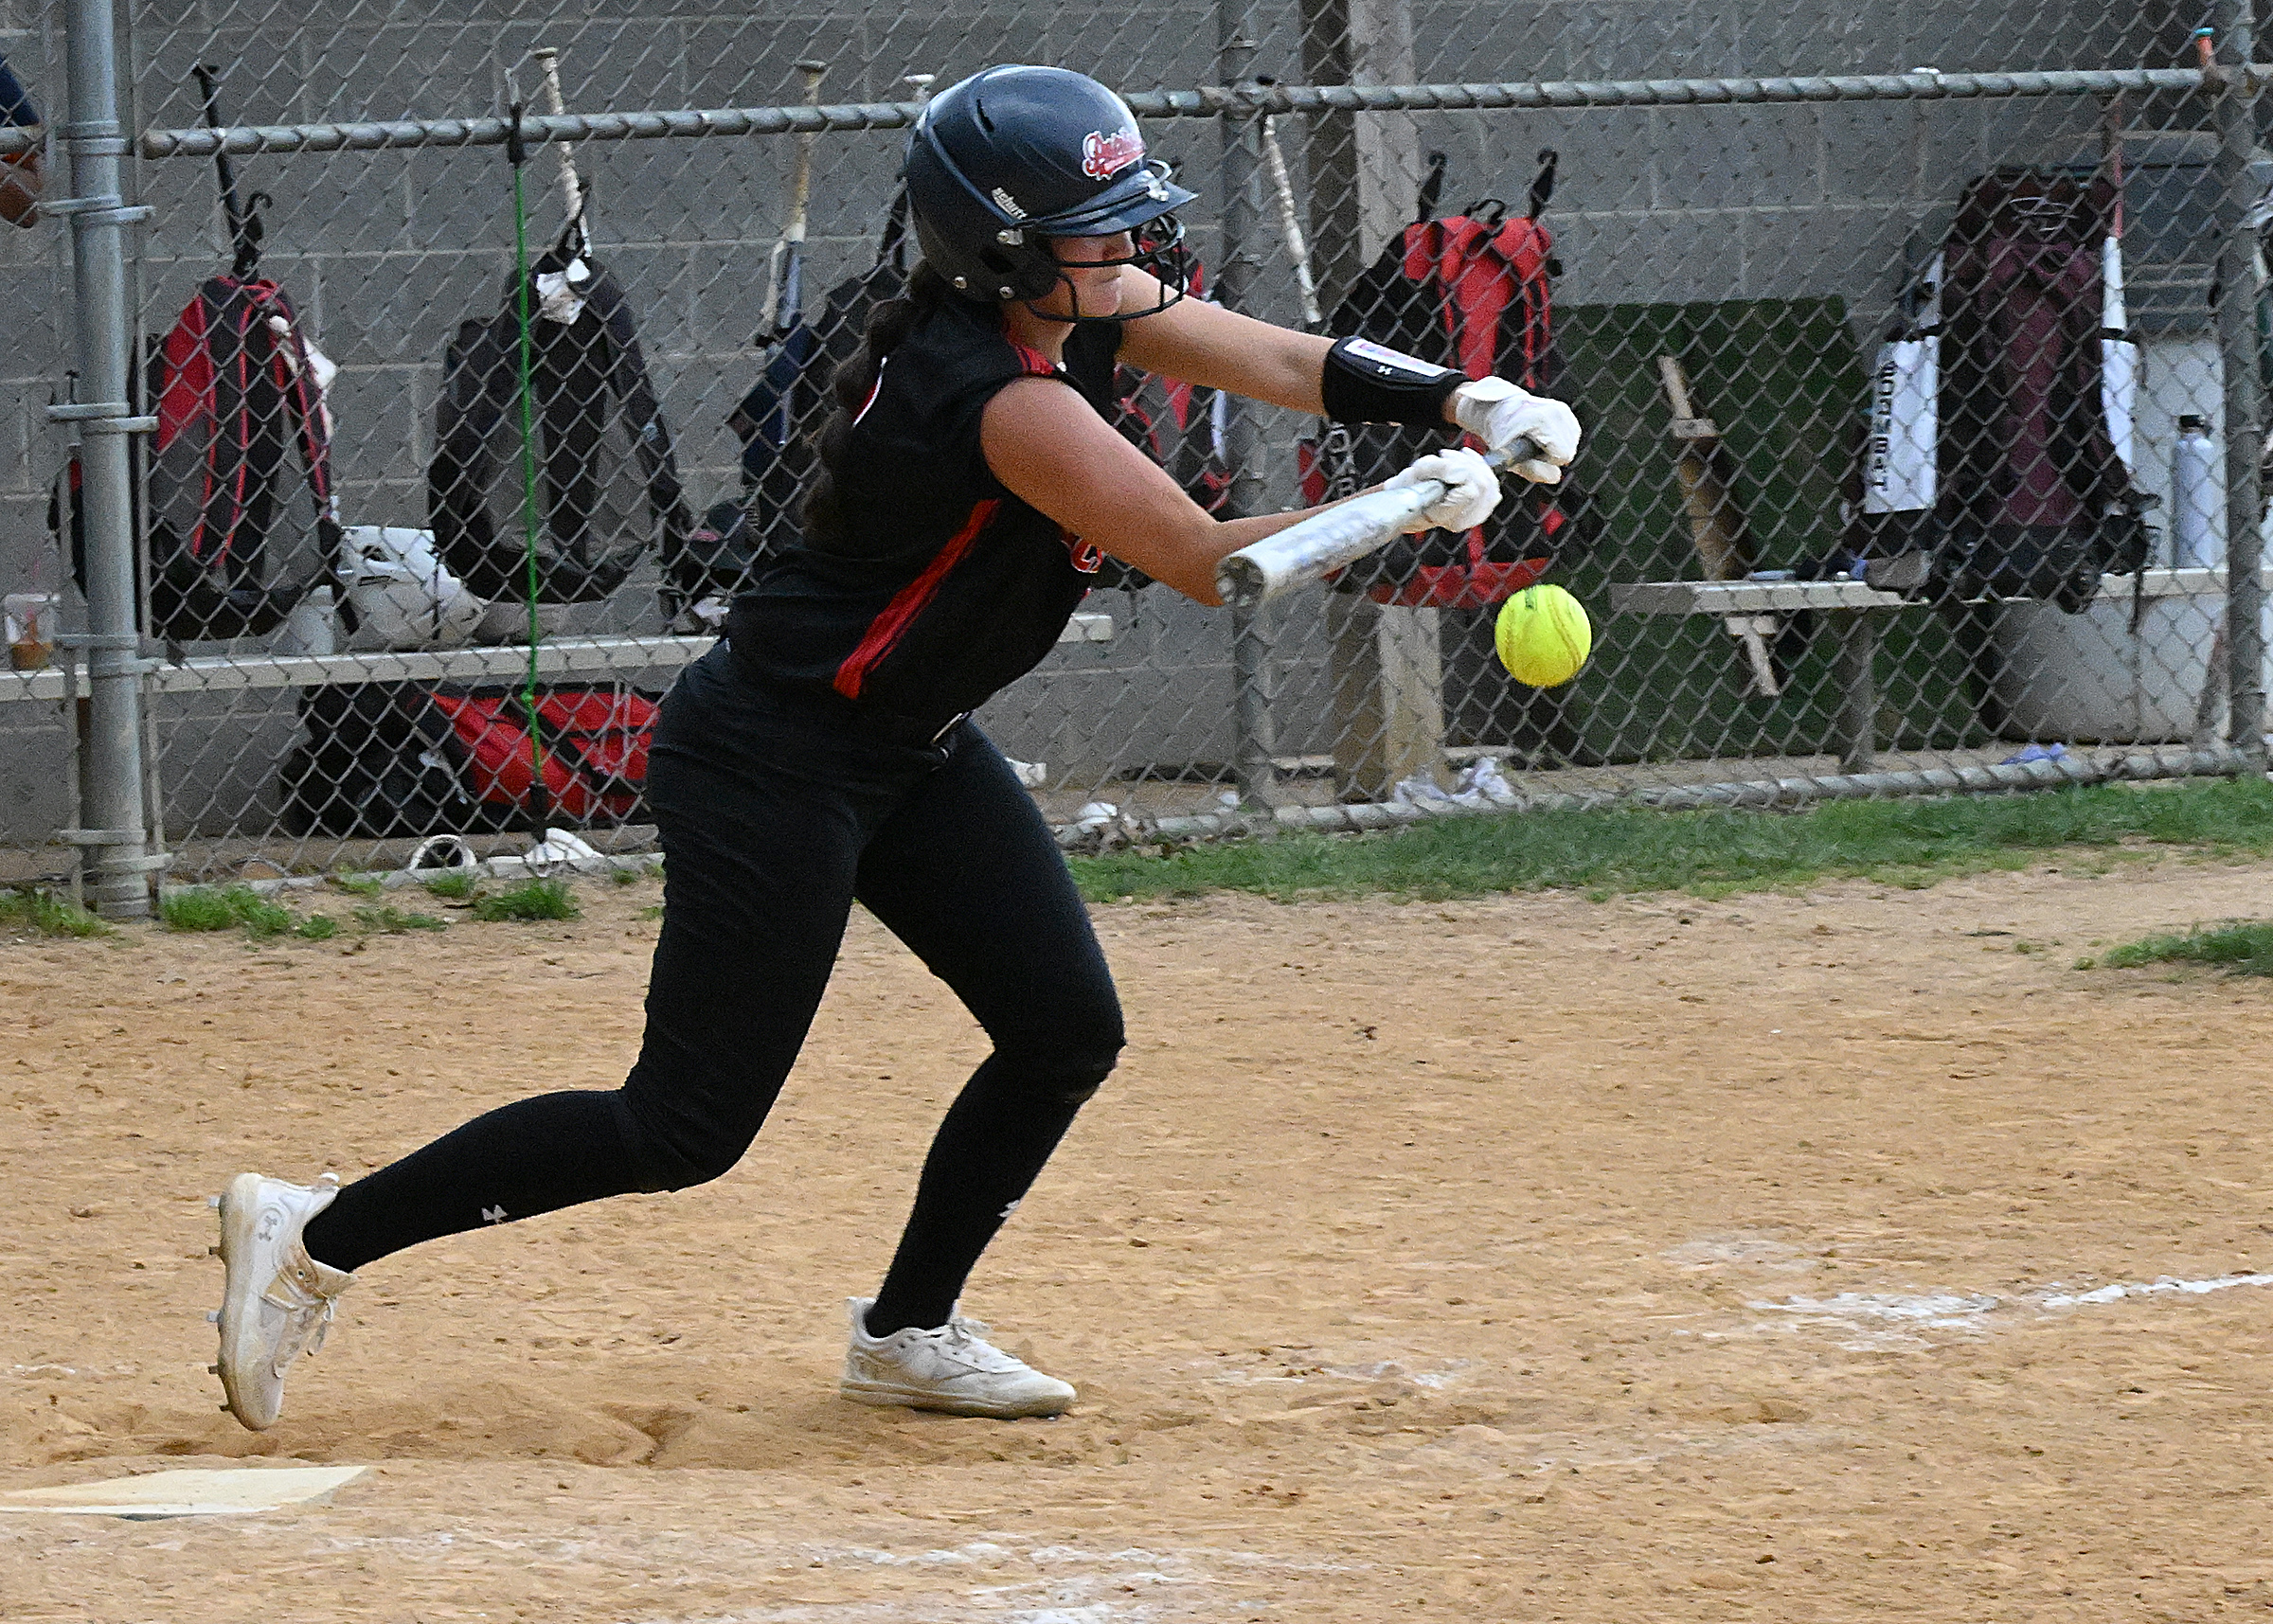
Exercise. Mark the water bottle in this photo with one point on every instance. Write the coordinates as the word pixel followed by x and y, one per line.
pixel 2195 497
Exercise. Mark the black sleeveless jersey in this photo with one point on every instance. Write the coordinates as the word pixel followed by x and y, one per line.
pixel 946 587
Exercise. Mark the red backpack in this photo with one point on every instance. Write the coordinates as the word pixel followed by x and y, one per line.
pixel 237 393
pixel 1473 291
pixel 595 743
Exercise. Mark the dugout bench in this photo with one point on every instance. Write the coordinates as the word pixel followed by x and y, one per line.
pixel 1854 615
pixel 564 658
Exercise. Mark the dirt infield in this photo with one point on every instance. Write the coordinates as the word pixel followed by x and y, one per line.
pixel 1788 1257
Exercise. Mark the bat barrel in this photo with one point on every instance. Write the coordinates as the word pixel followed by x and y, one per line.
pixel 1331 540
pixel 1241 583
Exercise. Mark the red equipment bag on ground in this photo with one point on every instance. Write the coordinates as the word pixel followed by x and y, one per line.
pixel 592 745
pixel 385 759
pixel 1472 291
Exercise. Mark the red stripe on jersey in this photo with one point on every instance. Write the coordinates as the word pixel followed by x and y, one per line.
pixel 1036 363
pixel 885 631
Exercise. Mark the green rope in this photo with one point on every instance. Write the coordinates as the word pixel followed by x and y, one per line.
pixel 540 801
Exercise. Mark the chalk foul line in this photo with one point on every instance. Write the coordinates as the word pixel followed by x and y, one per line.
pixel 1957 1311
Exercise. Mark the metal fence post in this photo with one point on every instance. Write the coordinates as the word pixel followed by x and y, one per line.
pixel 1252 666
pixel 116 841
pixel 2235 115
pixel 1386 660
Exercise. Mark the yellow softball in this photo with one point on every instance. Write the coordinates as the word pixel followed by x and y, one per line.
pixel 1542 636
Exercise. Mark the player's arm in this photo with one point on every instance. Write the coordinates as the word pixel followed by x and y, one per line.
pixel 1199 343
pixel 1045 443
pixel 1204 343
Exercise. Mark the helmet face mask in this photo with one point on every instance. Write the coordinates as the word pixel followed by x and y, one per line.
pixel 1013 158
pixel 1155 246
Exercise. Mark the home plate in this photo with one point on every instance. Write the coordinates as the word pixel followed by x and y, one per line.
pixel 189 1493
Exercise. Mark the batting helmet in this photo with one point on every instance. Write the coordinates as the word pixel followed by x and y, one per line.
pixel 1013 156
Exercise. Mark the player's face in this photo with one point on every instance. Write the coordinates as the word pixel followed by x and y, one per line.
pixel 1088 275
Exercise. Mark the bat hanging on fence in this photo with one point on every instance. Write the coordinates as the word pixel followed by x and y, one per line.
pixel 785 289
pixel 1290 226
pixel 1341 535
pixel 1716 520
pixel 572 185
pixel 244 218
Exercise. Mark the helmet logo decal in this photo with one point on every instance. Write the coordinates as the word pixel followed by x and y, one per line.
pixel 1008 203
pixel 1104 155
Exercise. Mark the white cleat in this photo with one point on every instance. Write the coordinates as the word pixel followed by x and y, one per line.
pixel 276 1301
pixel 952 1369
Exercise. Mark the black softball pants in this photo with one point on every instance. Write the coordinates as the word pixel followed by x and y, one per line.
pixel 776 811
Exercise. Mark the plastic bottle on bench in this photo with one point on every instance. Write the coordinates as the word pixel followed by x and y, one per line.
pixel 2195 497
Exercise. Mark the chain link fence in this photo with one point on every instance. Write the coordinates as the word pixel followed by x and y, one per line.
pixel 1908 393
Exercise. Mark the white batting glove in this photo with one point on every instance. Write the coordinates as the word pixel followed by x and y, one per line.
pixel 1498 413
pixel 1471 490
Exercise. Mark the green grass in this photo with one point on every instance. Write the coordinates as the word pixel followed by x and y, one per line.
pixel 532 899
pixel 388 920
pixel 198 908
pixel 43 914
pixel 457 885
pixel 1910 843
pixel 366 885
pixel 2243 947
pixel 223 908
pixel 316 927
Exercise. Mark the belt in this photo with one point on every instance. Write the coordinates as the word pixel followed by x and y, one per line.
pixel 918 731
pixel 893 727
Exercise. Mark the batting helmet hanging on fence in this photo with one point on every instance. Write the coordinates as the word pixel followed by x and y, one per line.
pixel 1013 156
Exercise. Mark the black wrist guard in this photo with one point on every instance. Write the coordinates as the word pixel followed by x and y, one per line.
pixel 1367 382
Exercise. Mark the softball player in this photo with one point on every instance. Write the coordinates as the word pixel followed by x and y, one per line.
pixel 823 752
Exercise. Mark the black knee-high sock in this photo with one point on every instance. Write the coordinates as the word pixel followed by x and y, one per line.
pixel 532 1157
pixel 986 1156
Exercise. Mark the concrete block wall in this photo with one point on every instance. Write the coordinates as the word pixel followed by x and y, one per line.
pixel 386 252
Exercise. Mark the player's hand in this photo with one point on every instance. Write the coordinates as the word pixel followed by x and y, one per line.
pixel 1498 413
pixel 1471 490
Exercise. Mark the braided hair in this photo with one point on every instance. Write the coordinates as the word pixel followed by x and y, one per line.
pixel 888 324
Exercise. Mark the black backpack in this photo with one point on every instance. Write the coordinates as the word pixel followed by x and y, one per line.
pixel 607 477
pixel 2003 473
pixel 777 423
